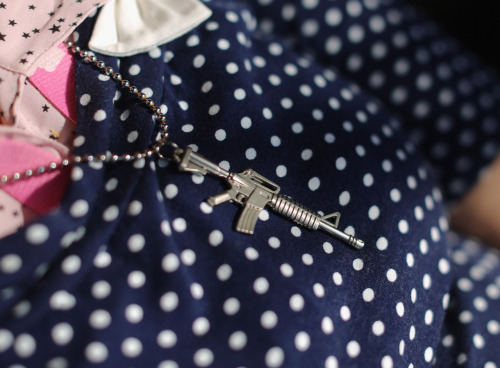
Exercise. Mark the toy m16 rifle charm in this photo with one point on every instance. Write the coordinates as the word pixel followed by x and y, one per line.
pixel 254 192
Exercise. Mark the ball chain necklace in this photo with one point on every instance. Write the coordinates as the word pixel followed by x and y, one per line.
pixel 249 189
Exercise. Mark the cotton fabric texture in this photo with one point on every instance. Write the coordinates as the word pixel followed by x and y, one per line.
pixel 362 107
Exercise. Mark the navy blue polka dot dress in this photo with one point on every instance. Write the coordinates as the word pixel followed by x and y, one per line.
pixel 360 107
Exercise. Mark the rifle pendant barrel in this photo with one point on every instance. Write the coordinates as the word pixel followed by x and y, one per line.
pixel 340 235
pixel 311 220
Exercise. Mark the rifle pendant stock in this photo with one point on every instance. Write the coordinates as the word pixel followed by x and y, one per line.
pixel 254 192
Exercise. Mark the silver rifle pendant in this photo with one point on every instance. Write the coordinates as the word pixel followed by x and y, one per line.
pixel 254 192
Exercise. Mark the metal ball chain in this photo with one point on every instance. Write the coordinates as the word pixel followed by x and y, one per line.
pixel 159 118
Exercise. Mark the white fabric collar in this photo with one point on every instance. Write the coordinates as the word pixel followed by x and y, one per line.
pixel 128 27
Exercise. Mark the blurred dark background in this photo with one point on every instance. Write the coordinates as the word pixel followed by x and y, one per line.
pixel 475 23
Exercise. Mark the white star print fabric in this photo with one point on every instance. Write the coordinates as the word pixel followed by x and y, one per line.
pixel 30 33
